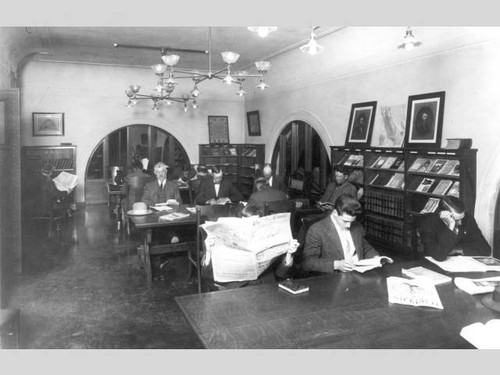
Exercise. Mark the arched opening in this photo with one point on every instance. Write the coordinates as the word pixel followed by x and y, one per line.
pixel 118 149
pixel 300 153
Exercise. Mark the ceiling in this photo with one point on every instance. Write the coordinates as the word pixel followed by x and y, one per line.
pixel 95 44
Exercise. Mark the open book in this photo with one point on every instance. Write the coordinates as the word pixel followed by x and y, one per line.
pixel 65 181
pixel 477 286
pixel 364 265
pixel 483 336
pixel 417 292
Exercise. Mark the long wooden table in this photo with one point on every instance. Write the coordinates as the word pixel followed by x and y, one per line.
pixel 344 310
pixel 148 223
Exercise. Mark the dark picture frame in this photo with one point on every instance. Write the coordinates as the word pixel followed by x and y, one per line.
pixel 361 120
pixel 253 122
pixel 218 130
pixel 424 120
pixel 48 124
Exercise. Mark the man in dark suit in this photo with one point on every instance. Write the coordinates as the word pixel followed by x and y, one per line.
pixel 160 190
pixel 264 193
pixel 337 242
pixel 217 190
pixel 451 231
pixel 339 186
pixel 275 181
pixel 46 196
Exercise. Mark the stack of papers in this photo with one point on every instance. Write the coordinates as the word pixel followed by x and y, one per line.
pixel 467 264
pixel 418 292
pixel 364 265
pixel 483 336
pixel 174 216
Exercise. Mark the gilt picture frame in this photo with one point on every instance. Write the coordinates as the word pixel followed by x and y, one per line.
pixel 218 130
pixel 48 124
pixel 360 127
pixel 424 121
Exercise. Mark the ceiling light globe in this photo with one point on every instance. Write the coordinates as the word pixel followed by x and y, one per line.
pixel 170 60
pixel 312 47
pixel 159 69
pixel 262 31
pixel 262 86
pixel 135 88
pixel 230 57
pixel 262 66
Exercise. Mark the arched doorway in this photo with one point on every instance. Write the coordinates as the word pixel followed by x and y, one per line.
pixel 300 150
pixel 121 146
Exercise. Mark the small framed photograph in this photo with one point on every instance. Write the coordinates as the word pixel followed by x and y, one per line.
pixel 424 120
pixel 48 124
pixel 218 130
pixel 360 127
pixel 253 120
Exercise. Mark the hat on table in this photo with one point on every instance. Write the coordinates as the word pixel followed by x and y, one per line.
pixel 139 208
pixel 493 300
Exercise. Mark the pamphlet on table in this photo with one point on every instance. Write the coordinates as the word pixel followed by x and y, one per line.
pixel 417 292
pixel 477 286
pixel 462 263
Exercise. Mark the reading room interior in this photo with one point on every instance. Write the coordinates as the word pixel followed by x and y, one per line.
pixel 322 187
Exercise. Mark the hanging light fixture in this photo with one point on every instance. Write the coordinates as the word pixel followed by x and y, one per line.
pixel 168 72
pixel 312 47
pixel 262 31
pixel 409 41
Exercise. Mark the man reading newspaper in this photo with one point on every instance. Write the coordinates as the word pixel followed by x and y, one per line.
pixel 250 250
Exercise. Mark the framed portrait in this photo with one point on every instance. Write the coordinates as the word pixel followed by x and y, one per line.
pixel 218 130
pixel 424 120
pixel 48 124
pixel 360 127
pixel 253 121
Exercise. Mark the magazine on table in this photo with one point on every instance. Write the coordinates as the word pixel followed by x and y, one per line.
pixel 449 166
pixel 416 292
pixel 477 286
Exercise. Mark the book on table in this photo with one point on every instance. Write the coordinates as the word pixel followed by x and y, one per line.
pixel 442 187
pixel 174 216
pixel 293 287
pixel 416 292
pixel 419 272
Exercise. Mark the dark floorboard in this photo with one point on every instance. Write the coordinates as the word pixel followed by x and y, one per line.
pixel 87 290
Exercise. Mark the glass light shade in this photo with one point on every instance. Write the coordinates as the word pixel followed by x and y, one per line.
pixel 170 60
pixel 409 41
pixel 159 69
pixel 159 88
pixel 262 85
pixel 135 88
pixel 171 81
pixel 228 79
pixel 262 66
pixel 195 92
pixel 129 93
pixel 185 107
pixel 155 108
pixel 241 92
pixel 195 105
pixel 408 46
pixel 262 31
pixel 230 57
pixel 312 47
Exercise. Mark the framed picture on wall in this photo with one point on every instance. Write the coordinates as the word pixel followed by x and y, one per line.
pixel 424 120
pixel 253 121
pixel 218 130
pixel 360 127
pixel 48 124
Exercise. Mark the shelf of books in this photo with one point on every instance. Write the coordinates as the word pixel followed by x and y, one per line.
pixel 402 184
pixel 237 161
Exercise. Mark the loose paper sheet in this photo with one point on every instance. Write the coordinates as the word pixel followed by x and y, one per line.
pixel 66 181
pixel 417 292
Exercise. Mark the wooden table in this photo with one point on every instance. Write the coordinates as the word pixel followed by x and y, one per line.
pixel 344 310
pixel 148 223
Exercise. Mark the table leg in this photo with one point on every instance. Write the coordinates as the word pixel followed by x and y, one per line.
pixel 147 259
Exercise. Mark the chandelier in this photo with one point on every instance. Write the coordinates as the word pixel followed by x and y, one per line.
pixel 409 41
pixel 168 72
pixel 312 47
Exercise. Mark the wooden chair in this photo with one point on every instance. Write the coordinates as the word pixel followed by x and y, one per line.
pixel 133 191
pixel 206 213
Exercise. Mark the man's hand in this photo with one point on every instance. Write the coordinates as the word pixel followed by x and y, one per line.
pixel 211 202
pixel 343 265
pixel 447 219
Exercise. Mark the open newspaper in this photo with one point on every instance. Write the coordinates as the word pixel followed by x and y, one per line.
pixel 66 181
pixel 242 248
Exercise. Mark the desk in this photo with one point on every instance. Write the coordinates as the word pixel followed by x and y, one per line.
pixel 147 223
pixel 343 311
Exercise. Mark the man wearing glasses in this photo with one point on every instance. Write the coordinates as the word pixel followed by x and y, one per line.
pixel 338 241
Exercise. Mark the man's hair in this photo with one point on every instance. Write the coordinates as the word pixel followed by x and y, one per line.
pixel 341 169
pixel 345 204
pixel 216 169
pixel 136 164
pixel 449 203
pixel 259 182
pixel 160 166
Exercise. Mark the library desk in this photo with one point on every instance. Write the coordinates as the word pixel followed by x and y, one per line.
pixel 147 223
pixel 344 311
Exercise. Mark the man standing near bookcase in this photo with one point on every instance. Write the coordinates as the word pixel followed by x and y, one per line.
pixel 451 231
pixel 338 187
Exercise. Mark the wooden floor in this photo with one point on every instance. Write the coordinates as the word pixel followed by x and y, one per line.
pixel 87 290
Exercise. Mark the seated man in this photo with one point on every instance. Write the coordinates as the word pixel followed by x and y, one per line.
pixel 133 186
pixel 275 181
pixel 337 242
pixel 48 197
pixel 264 193
pixel 451 231
pixel 217 190
pixel 160 190
pixel 339 186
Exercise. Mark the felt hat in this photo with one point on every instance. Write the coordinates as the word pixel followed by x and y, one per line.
pixel 493 300
pixel 139 208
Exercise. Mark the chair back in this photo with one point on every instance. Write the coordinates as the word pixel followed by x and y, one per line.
pixel 136 188
pixel 281 206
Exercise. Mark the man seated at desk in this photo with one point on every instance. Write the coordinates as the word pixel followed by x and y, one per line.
pixel 275 181
pixel 338 187
pixel 160 190
pixel 451 231
pixel 338 241
pixel 217 190
pixel 264 193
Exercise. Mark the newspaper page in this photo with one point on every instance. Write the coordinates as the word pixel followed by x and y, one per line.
pixel 241 249
pixel 417 292
pixel 66 181
pixel 459 263
pixel 483 336
pixel 477 286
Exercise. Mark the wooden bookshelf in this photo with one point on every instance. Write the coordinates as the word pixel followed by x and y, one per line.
pixel 402 184
pixel 237 161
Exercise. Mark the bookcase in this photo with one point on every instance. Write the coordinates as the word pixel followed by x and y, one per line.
pixel 399 185
pixel 237 161
pixel 63 158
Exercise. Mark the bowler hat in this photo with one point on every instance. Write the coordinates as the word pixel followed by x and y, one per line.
pixel 139 208
pixel 493 300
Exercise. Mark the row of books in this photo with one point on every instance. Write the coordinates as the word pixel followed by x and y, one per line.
pixel 35 165
pixel 209 160
pixel 390 231
pixel 386 204
pixel 389 162
pixel 449 167
pixel 251 152
pixel 395 181
pixel 439 187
